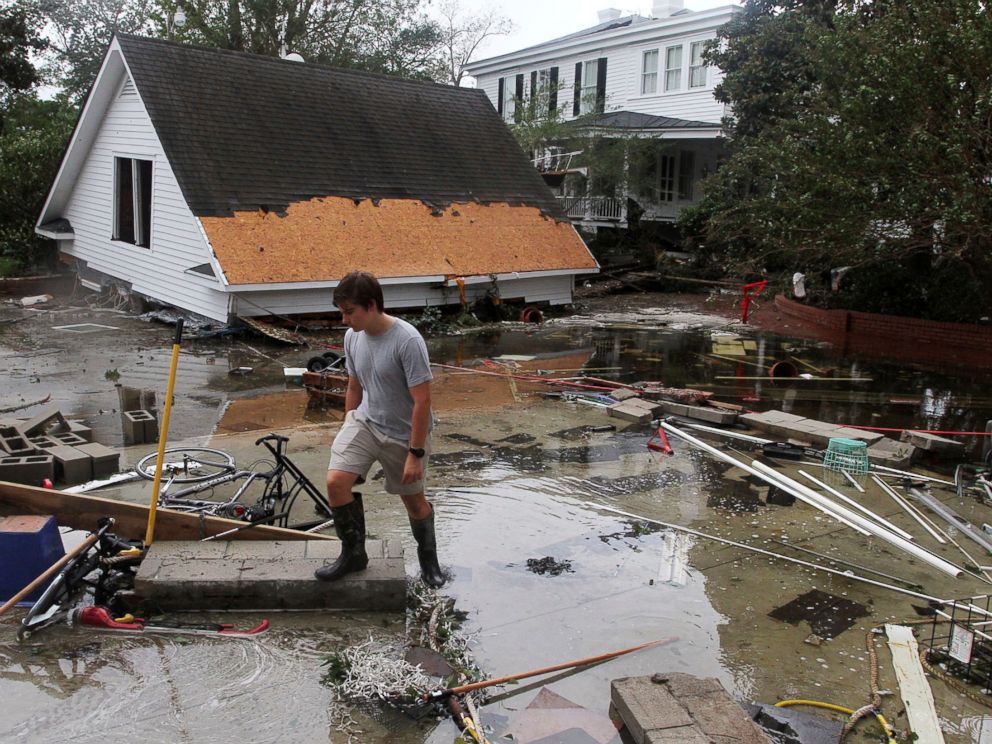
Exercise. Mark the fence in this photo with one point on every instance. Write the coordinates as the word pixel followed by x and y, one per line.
pixel 593 208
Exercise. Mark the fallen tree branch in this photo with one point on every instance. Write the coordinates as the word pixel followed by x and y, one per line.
pixel 21 407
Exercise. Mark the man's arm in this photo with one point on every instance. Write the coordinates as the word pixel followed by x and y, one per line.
pixel 353 395
pixel 413 469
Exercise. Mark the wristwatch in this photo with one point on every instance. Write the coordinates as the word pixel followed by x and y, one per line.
pixel 418 451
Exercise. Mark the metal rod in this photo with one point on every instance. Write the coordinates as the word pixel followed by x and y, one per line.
pixel 770 554
pixel 846 563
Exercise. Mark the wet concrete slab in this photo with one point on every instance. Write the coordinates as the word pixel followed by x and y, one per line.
pixel 273 575
pixel 681 708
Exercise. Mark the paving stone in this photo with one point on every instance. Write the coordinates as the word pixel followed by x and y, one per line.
pixel 891 453
pixel 629 410
pixel 267 575
pixel 645 706
pixel 681 735
pixel 933 443
pixel 623 394
pixel 700 413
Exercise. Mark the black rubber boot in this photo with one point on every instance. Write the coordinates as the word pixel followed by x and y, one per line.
pixel 349 524
pixel 423 531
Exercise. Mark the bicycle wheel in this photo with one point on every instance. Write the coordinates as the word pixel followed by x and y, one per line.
pixel 187 464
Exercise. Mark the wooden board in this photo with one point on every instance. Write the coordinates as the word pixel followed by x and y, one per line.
pixel 81 512
pixel 913 685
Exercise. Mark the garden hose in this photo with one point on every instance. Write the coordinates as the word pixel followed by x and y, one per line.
pixel 840 709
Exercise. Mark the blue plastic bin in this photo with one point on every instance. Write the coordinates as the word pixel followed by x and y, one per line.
pixel 28 546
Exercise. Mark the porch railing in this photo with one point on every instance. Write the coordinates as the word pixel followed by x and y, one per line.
pixel 593 208
pixel 555 162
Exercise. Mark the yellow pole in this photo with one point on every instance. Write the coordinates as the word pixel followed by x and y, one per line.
pixel 163 435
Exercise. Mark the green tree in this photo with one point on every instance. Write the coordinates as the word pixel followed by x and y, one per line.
pixel 79 32
pixel 31 148
pixel 874 152
pixel 388 36
pixel 18 40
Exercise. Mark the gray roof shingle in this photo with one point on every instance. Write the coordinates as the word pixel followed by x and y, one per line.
pixel 244 132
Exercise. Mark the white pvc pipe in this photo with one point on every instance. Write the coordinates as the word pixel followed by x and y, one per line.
pixel 786 484
pixel 768 479
pixel 909 510
pixel 812 498
pixel 884 522
pixel 890 537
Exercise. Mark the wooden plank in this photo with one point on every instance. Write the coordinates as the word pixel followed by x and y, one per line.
pixel 913 685
pixel 81 512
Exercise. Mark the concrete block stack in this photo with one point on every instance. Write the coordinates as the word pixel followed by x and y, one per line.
pixel 48 447
pixel 139 427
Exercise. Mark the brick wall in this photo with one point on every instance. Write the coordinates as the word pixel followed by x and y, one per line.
pixel 895 336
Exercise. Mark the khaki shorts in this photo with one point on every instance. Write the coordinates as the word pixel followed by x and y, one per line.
pixel 359 444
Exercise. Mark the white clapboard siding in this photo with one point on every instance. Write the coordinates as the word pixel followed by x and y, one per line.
pixel 177 243
pixel 623 78
pixel 556 290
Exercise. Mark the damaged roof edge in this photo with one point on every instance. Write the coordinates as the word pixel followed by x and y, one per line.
pixel 432 279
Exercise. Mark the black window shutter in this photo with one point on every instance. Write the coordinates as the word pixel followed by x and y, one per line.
pixel 601 85
pixel 577 100
pixel 533 85
pixel 553 90
pixel 518 93
pixel 500 95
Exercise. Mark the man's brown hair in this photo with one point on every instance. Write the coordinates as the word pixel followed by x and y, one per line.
pixel 359 288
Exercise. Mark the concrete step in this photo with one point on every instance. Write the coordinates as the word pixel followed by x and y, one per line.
pixel 267 575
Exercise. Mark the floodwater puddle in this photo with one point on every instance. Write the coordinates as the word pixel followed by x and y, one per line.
pixel 515 477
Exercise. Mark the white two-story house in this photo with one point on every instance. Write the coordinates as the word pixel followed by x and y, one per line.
pixel 628 79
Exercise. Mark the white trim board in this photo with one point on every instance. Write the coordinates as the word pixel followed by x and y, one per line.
pixel 913 686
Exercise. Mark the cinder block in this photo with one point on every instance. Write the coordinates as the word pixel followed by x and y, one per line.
pixel 133 424
pixel 14 443
pixel 43 443
pixel 81 430
pixel 47 421
pixel 73 440
pixel 151 427
pixel 30 470
pixel 105 460
pixel 623 394
pixel 71 465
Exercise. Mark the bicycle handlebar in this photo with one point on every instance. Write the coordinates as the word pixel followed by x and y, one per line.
pixel 277 437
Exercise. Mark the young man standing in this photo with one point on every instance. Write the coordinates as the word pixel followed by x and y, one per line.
pixel 387 420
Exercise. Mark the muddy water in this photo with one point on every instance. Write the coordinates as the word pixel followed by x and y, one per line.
pixel 515 477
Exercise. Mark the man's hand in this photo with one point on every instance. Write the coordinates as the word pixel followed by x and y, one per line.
pixel 413 469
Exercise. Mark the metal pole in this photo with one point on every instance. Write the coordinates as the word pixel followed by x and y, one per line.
pixel 163 434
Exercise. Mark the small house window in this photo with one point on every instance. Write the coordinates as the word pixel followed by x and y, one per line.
pixel 590 75
pixel 697 68
pixel 133 201
pixel 649 72
pixel 509 98
pixel 666 178
pixel 673 68
pixel 687 170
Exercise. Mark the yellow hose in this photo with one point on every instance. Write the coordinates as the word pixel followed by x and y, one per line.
pixel 840 709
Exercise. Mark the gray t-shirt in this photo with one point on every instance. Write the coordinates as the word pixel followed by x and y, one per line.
pixel 386 367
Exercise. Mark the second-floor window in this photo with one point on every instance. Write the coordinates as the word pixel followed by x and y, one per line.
pixel 697 68
pixel 510 93
pixel 590 73
pixel 590 87
pixel 673 68
pixel 649 72
pixel 133 201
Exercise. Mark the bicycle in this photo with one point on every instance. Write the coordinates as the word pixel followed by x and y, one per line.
pixel 202 469
pixel 112 559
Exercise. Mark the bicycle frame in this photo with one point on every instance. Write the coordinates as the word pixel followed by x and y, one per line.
pixel 277 490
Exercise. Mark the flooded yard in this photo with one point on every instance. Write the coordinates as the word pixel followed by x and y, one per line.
pixel 517 477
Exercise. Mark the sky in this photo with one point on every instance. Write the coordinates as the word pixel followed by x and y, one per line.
pixel 536 21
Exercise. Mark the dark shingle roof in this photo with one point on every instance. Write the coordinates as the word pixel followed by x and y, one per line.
pixel 635 120
pixel 244 132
